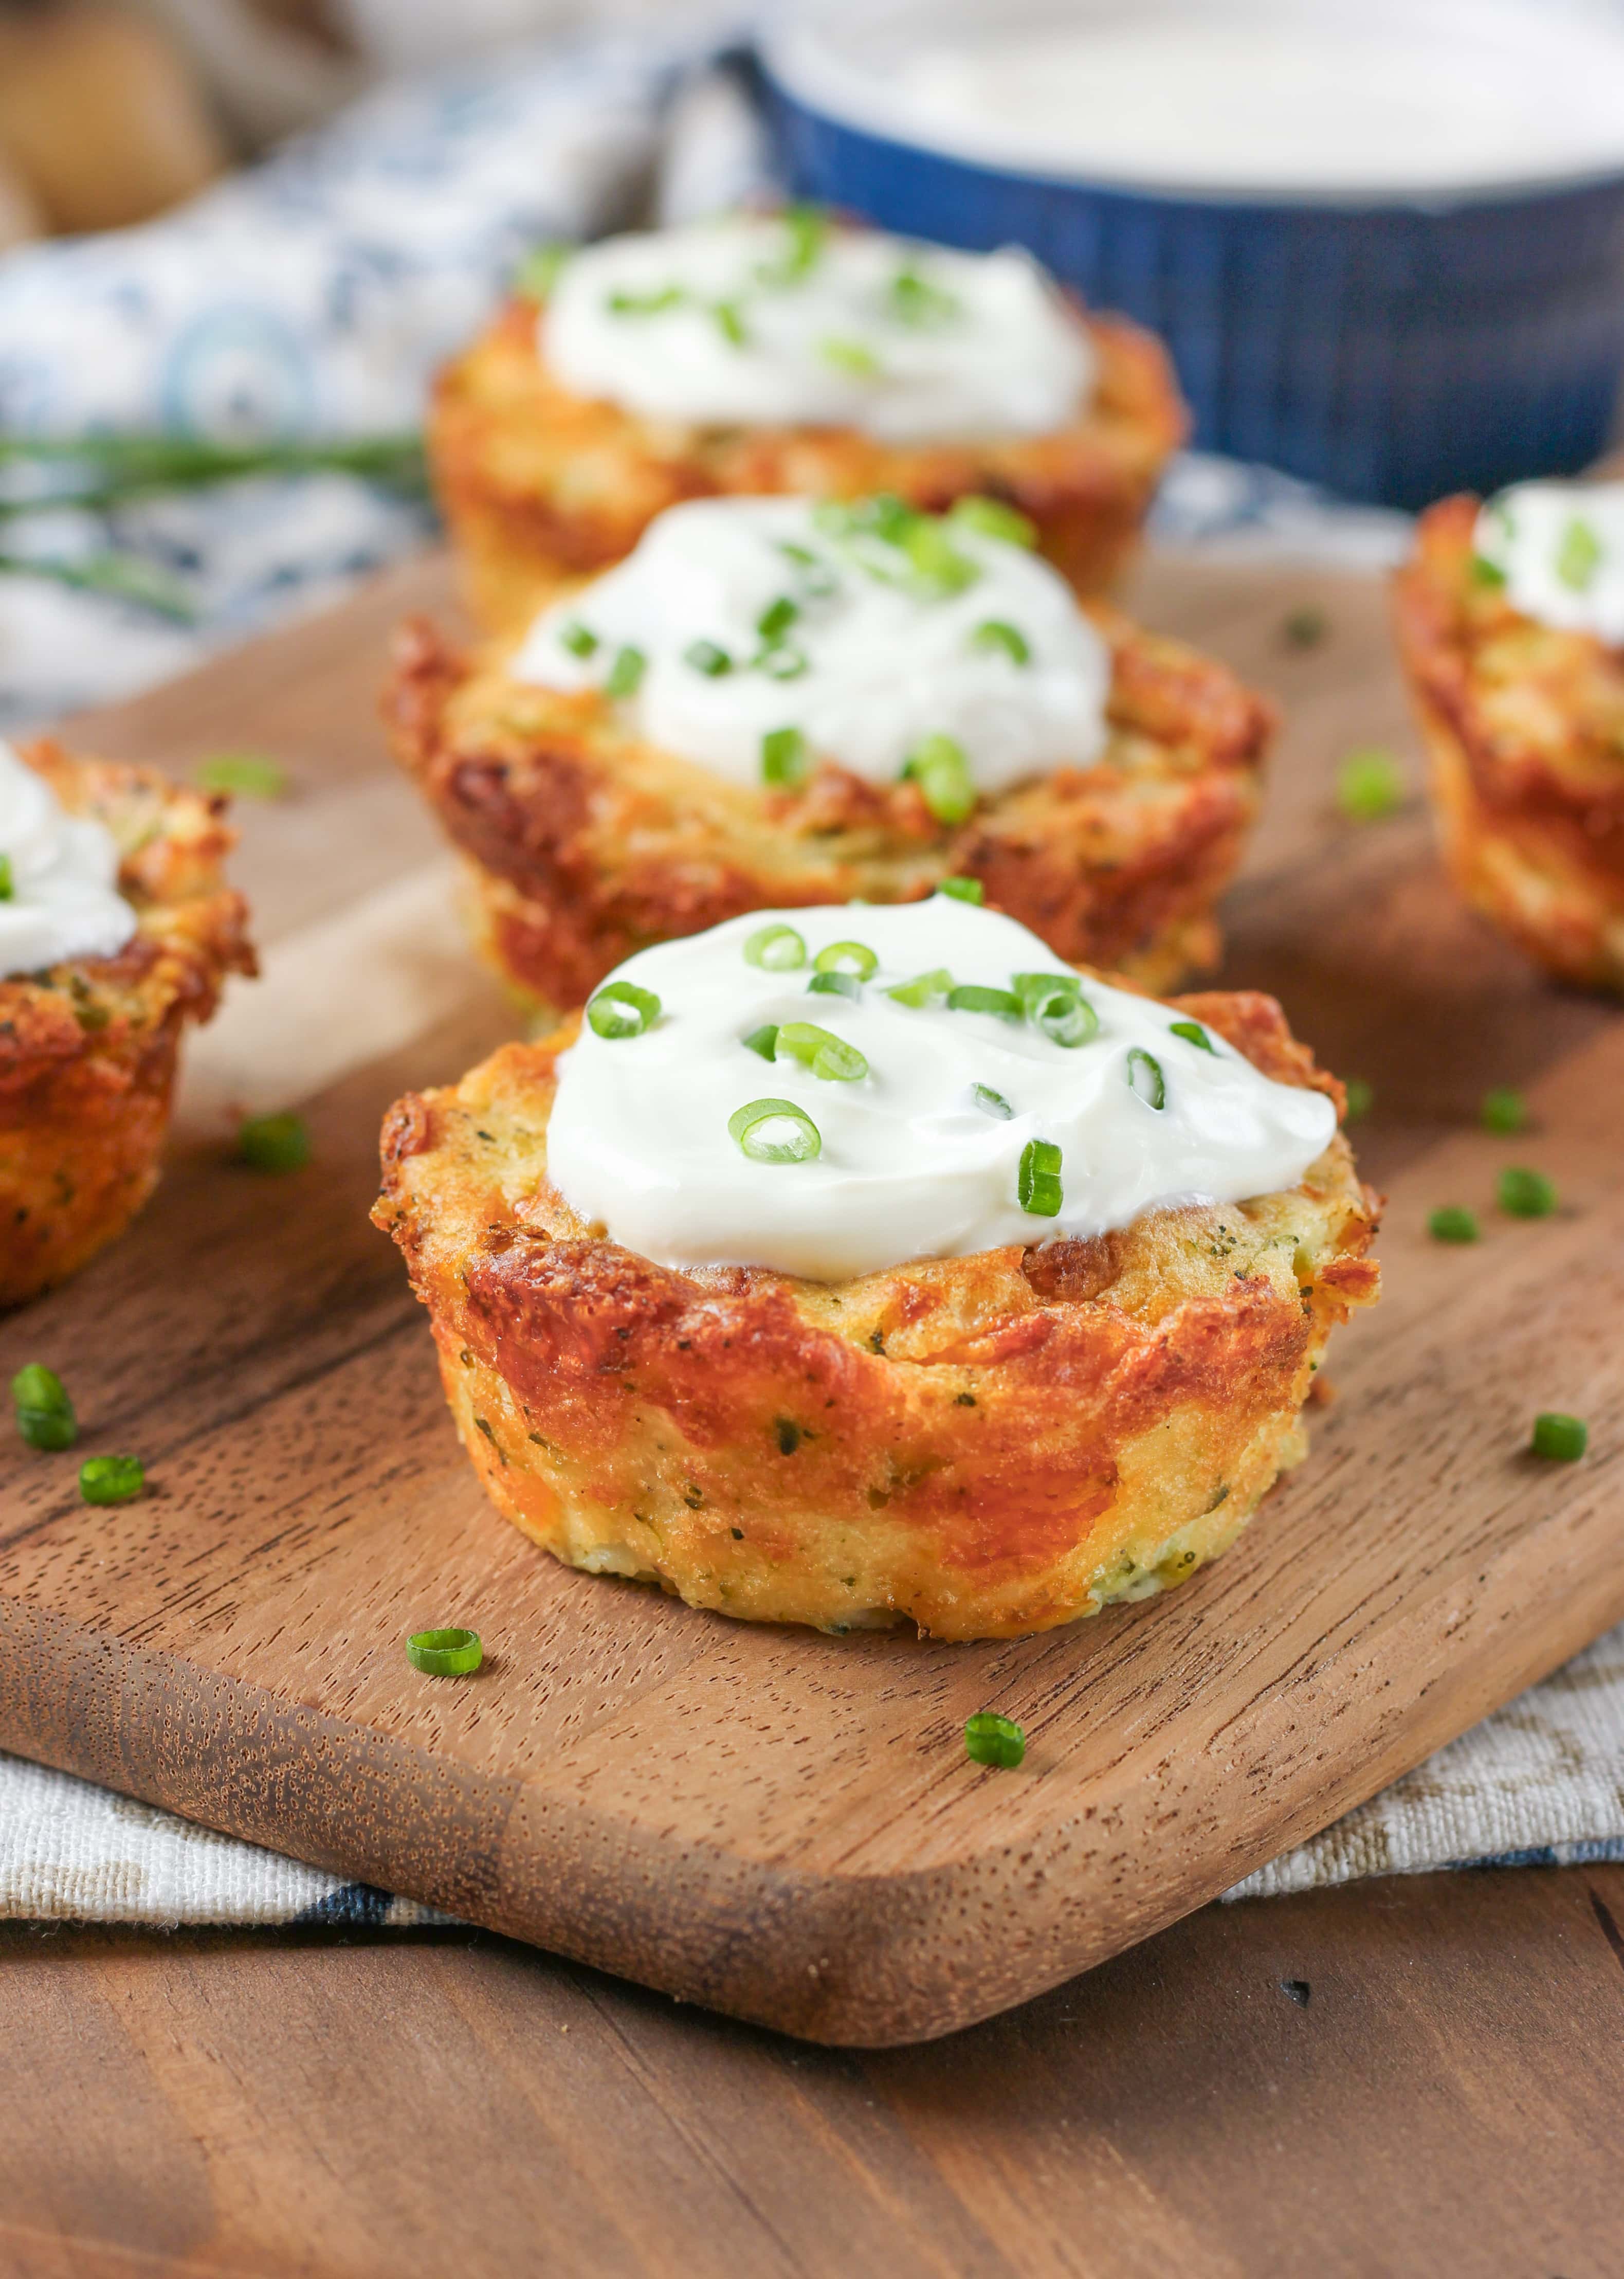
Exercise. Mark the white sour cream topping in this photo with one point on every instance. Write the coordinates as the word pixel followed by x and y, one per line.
pixel 1560 549
pixel 881 657
pixel 63 875
pixel 743 321
pixel 911 1165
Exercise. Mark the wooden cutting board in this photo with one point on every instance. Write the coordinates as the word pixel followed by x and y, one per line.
pixel 777 1823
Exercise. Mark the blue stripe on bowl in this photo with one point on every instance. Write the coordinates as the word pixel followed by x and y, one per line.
pixel 1393 353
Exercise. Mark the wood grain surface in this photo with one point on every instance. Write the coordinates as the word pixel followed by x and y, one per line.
pixel 1414 2078
pixel 779 1824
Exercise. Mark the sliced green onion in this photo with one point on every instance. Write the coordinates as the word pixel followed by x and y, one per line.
pixel 622 1009
pixel 806 229
pixel 990 1102
pixel 782 661
pixel 1038 1182
pixel 1525 1194
pixel 1145 1077
pixel 646 305
pixel 112 1479
pixel 706 657
pixel 1485 573
pixel 445 1653
pixel 785 758
pixel 1562 1439
pixel 1453 1223
pixel 538 272
pixel 993 519
pixel 817 579
pixel 970 997
pixel 8 887
pixel 1503 1111
pixel 242 775
pixel 847 958
pixel 1304 628
pixel 1578 557
pixel 1055 1006
pixel 777 617
pixel 990 1739
pixel 835 985
pixel 917 303
pixel 764 1040
pixel 1361 1099
pixel 854 356
pixel 775 949
pixel 274 1143
pixel 45 1417
pixel 579 640
pixel 997 632
pixel 1194 1033
pixel 626 675
pixel 827 1056
pixel 936 561
pixel 939 767
pixel 923 988
pixel 962 890
pixel 1369 786
pixel 775 1132
pixel 729 318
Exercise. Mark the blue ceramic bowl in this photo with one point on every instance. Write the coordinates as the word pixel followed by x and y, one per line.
pixel 1393 351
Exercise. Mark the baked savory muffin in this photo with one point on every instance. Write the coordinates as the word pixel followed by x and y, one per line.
pixel 1511 622
pixel 116 929
pixel 773 702
pixel 755 355
pixel 845 1267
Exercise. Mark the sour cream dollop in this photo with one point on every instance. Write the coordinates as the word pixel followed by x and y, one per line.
pixel 1559 547
pixel 916 1161
pixel 873 653
pixel 61 871
pixel 756 321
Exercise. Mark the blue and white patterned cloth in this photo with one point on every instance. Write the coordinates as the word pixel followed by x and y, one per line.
pixel 311 298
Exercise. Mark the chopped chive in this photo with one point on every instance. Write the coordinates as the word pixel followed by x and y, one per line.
pixel 990 1102
pixel 783 661
pixel 706 657
pixel 1453 1223
pixel 919 992
pixel 539 269
pixel 274 1143
pixel 1038 1182
pixel 940 768
pixel 938 564
pixel 445 1653
pixel 817 579
pixel 1369 784
pixel 1145 1077
pixel 993 519
pixel 8 887
pixel 776 619
pixel 1525 1194
pixel 962 890
pixel 784 757
pixel 646 305
pixel 774 1131
pixel 1564 1440
pixel 626 675
pixel 622 1009
pixel 1578 557
pixel 970 997
pixel 916 303
pixel 1487 573
pixel 827 1056
pixel 729 320
pixel 1194 1033
pixel 579 640
pixel 806 229
pixel 850 355
pixel 45 1417
pixel 1503 1111
pixel 1055 1006
pixel 997 632
pixel 775 949
pixel 243 775
pixel 112 1479
pixel 764 1040
pixel 854 957
pixel 990 1739
pixel 1304 628
pixel 1361 1099
pixel 834 985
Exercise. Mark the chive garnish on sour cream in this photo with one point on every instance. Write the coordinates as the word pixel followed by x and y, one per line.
pixel 775 1132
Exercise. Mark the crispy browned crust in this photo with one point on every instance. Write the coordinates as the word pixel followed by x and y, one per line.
pixel 1525 728
pixel 585 845
pixel 87 1049
pixel 541 487
pixel 983 1446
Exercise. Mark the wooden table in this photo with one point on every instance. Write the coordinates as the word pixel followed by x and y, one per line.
pixel 1415 2075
